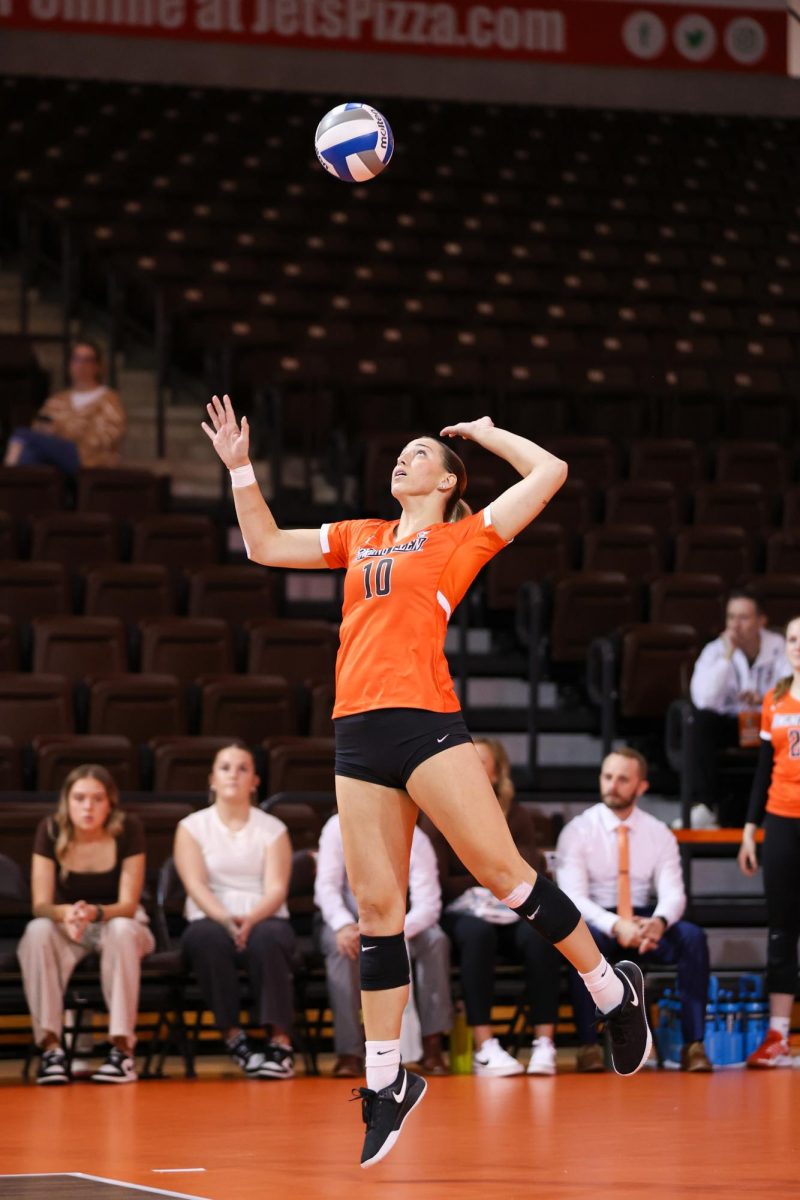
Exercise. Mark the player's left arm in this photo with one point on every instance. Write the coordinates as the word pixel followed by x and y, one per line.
pixel 542 473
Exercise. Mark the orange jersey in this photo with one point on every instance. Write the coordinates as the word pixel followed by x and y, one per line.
pixel 398 598
pixel 780 724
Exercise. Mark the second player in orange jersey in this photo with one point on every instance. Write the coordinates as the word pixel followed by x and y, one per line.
pixel 401 742
pixel 775 800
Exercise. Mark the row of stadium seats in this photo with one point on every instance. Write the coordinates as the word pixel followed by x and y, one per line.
pixel 169 763
pixel 81 647
pixel 597 270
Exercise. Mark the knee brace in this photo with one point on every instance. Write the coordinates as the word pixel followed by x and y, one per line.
pixel 384 963
pixel 782 960
pixel 550 911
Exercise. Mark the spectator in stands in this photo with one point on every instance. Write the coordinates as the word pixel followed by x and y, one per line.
pixel 87 876
pixel 235 862
pixel 775 799
pixel 81 426
pixel 479 926
pixel 428 946
pixel 731 677
pixel 611 860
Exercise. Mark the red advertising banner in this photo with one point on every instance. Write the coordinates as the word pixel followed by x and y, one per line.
pixel 594 32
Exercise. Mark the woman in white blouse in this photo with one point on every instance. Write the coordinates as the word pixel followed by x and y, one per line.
pixel 235 861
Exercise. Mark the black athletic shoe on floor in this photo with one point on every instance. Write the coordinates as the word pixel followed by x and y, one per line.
pixel 631 1039
pixel 385 1113
pixel 53 1067
pixel 278 1062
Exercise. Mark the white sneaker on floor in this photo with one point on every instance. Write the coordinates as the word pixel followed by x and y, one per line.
pixel 492 1059
pixel 543 1057
pixel 119 1067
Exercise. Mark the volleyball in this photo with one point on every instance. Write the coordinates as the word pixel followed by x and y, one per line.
pixel 354 142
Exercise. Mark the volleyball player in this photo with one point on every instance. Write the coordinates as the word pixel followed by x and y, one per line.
pixel 401 741
pixel 775 800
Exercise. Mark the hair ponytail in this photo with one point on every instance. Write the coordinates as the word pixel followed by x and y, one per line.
pixel 459 511
pixel 455 508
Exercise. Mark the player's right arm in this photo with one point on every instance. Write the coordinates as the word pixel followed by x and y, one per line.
pixel 264 542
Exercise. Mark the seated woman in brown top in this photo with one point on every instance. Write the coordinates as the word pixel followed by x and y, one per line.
pixel 479 925
pixel 81 426
pixel 87 876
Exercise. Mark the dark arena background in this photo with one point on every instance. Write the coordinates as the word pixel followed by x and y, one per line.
pixel 589 231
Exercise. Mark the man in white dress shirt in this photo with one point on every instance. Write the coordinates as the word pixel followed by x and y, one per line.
pixel 732 675
pixel 611 860
pixel 428 944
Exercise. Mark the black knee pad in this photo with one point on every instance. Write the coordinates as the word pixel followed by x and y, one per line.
pixel 782 960
pixel 550 911
pixel 384 963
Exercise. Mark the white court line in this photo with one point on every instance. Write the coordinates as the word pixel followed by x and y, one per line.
pixel 178 1170
pixel 136 1187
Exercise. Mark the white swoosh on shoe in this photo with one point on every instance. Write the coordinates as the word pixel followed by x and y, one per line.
pixel 401 1095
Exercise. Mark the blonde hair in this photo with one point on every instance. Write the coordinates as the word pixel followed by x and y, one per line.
pixel 783 685
pixel 504 785
pixel 62 822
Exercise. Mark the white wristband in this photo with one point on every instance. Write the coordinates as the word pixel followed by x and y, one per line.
pixel 243 476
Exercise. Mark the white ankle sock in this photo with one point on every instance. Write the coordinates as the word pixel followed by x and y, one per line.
pixel 781 1026
pixel 383 1063
pixel 605 986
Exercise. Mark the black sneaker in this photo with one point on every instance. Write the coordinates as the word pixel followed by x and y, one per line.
pixel 243 1054
pixel 631 1039
pixel 53 1067
pixel 385 1113
pixel 119 1067
pixel 278 1062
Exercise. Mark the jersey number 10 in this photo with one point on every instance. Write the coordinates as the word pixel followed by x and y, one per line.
pixel 377 581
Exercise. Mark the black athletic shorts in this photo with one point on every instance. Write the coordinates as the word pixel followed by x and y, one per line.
pixel 386 745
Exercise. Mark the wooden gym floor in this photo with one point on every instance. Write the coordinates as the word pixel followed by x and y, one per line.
pixel 660 1136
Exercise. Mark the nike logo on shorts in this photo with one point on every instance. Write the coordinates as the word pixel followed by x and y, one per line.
pixel 534 915
pixel 401 1095
pixel 442 739
pixel 364 949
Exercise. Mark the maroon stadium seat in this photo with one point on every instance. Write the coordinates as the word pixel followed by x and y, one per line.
pixel 689 599
pixel 586 606
pixel 57 755
pixel 139 707
pixel 233 593
pixel 723 550
pixel 78 647
pixel 187 647
pixel 634 550
pixel 32 703
pixel 302 652
pixel 76 540
pixel 29 590
pixel 250 707
pixel 128 591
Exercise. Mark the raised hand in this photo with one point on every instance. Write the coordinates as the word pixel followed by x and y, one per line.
pixel 470 430
pixel 231 442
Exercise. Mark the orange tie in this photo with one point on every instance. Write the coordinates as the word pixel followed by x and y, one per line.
pixel 624 906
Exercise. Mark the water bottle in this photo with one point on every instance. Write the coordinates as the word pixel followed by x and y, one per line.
pixel 734 1038
pixel 664 1027
pixel 754 1010
pixel 461 1043
pixel 712 1038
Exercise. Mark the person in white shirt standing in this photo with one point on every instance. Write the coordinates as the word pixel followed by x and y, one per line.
pixel 731 677
pixel 235 862
pixel 428 945
pixel 611 860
